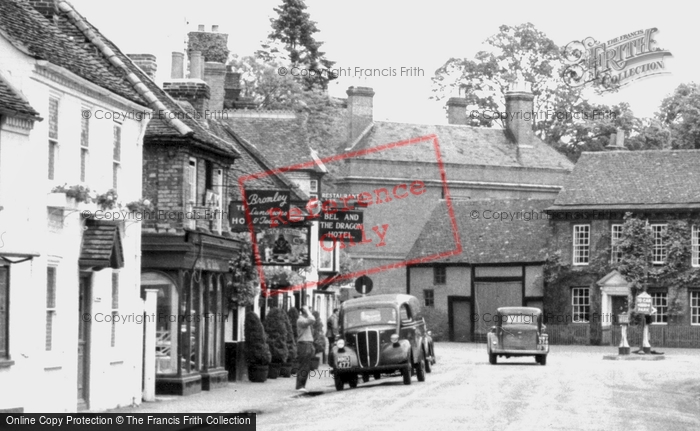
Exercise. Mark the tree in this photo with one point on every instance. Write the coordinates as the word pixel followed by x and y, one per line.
pixel 524 53
pixel 680 112
pixel 294 28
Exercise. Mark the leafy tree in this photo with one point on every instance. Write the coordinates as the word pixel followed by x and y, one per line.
pixel 524 53
pixel 680 112
pixel 294 28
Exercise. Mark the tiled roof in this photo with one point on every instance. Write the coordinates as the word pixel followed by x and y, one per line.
pixel 633 179
pixel 12 103
pixel 462 145
pixel 101 245
pixel 490 232
pixel 61 43
pixel 252 162
pixel 34 34
pixel 282 139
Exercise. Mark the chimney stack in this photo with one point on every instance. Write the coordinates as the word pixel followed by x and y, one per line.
pixel 360 114
pixel 457 111
pixel 232 87
pixel 178 66
pixel 193 89
pixel 214 74
pixel 147 63
pixel 200 27
pixel 520 113
pixel 617 141
pixel 214 28
pixel 45 7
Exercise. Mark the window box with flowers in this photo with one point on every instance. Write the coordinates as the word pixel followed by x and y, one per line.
pixel 69 197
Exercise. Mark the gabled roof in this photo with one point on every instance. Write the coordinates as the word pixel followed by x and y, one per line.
pixel 31 32
pixel 633 180
pixel 508 231
pixel 13 104
pixel 61 42
pixel 101 245
pixel 281 136
pixel 461 145
pixel 253 162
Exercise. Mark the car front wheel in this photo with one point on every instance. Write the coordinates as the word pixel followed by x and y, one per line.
pixel 406 373
pixel 365 378
pixel 542 359
pixel 353 381
pixel 339 384
pixel 493 359
pixel 420 370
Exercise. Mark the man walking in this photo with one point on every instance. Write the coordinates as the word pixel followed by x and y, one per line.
pixel 305 347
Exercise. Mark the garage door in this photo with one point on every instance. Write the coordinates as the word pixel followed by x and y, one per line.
pixel 491 295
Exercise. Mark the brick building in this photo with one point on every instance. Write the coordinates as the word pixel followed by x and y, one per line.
pixel 480 164
pixel 660 187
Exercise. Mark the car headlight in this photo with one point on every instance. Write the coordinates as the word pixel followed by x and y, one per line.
pixel 340 344
pixel 394 338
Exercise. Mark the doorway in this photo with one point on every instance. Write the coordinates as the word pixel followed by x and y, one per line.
pixel 84 314
pixel 459 317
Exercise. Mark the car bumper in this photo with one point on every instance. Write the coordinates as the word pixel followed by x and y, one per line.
pixel 495 351
pixel 370 370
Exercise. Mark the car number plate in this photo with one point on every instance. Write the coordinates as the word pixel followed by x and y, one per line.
pixel 343 361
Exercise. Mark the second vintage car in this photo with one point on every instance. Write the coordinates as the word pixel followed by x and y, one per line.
pixel 519 331
pixel 381 334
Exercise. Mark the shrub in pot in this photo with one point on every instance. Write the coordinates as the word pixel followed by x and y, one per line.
pixel 257 352
pixel 319 340
pixel 277 340
pixel 286 370
pixel 293 315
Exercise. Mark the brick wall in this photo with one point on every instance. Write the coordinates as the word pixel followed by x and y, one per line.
pixel 196 92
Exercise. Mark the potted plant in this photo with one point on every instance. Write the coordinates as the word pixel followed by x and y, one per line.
pixel 277 340
pixel 108 200
pixel 286 370
pixel 319 340
pixel 256 348
pixel 293 314
pixel 77 194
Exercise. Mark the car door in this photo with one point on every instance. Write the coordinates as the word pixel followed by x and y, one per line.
pixel 409 328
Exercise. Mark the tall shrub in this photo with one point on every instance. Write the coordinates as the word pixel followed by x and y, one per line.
pixel 276 335
pixel 256 348
pixel 318 333
pixel 291 339
pixel 293 317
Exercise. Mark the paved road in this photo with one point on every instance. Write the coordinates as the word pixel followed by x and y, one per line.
pixel 576 390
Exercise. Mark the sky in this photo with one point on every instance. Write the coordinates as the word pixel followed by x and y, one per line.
pixel 419 36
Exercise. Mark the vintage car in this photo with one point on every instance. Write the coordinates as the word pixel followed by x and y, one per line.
pixel 381 334
pixel 519 331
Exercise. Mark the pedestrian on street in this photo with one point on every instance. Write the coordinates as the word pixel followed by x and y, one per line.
pixel 332 333
pixel 305 347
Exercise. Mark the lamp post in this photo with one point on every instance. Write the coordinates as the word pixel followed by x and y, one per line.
pixel 643 304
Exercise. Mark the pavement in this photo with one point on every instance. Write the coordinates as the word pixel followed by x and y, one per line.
pixel 239 397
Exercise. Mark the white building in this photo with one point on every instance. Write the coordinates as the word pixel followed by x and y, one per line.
pixel 65 277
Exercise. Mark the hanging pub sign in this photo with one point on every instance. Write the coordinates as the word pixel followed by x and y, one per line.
pixel 259 202
pixel 643 303
pixel 340 226
pixel 286 246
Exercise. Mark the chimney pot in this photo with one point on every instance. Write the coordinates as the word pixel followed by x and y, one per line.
pixel 617 141
pixel 196 65
pixel 200 27
pixel 177 66
pixel 520 113
pixel 360 111
pixel 214 28
pixel 214 76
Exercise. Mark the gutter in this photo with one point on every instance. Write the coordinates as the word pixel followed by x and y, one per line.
pixel 135 82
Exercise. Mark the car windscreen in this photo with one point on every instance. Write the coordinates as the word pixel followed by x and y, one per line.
pixel 370 316
pixel 518 319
